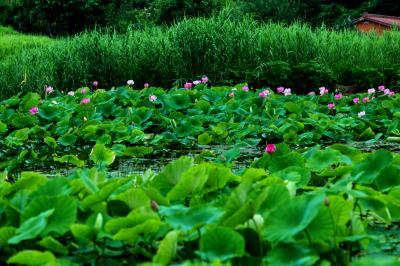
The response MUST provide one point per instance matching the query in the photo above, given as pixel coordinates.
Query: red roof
(380, 19)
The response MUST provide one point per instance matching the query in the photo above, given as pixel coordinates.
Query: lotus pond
(183, 177)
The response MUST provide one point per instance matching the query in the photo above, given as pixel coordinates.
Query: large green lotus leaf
(54, 187)
(18, 137)
(176, 101)
(31, 227)
(181, 217)
(51, 142)
(101, 155)
(380, 260)
(242, 204)
(6, 233)
(67, 139)
(83, 231)
(134, 198)
(171, 174)
(103, 193)
(388, 178)
(53, 245)
(135, 217)
(221, 243)
(296, 174)
(130, 234)
(293, 107)
(3, 127)
(28, 181)
(50, 113)
(218, 176)
(291, 255)
(254, 174)
(323, 159)
(65, 209)
(341, 210)
(184, 129)
(277, 196)
(30, 100)
(190, 183)
(278, 163)
(70, 159)
(284, 223)
(368, 170)
(20, 120)
(204, 139)
(167, 250)
(322, 228)
(33, 258)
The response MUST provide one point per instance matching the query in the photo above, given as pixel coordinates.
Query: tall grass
(225, 50)
(12, 42)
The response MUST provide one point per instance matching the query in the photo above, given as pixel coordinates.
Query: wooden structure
(377, 23)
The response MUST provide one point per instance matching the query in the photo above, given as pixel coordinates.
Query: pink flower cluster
(85, 101)
(34, 110)
(199, 81)
(286, 92)
(264, 93)
(323, 90)
(331, 106)
(270, 148)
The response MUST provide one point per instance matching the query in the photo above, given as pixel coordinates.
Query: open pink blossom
(391, 93)
(356, 100)
(381, 88)
(196, 82)
(152, 98)
(311, 93)
(83, 91)
(85, 101)
(95, 83)
(204, 79)
(386, 91)
(264, 93)
(280, 89)
(371, 91)
(287, 92)
(34, 110)
(365, 99)
(245, 88)
(338, 96)
(331, 105)
(146, 85)
(49, 89)
(188, 85)
(270, 148)
(323, 90)
(130, 82)
(361, 114)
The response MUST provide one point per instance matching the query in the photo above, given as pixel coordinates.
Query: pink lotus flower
(270, 148)
(146, 85)
(188, 85)
(280, 89)
(49, 89)
(311, 93)
(365, 99)
(245, 88)
(204, 79)
(130, 82)
(386, 91)
(323, 90)
(196, 82)
(381, 88)
(392, 93)
(331, 105)
(361, 114)
(152, 98)
(34, 110)
(264, 94)
(85, 101)
(338, 96)
(71, 93)
(356, 100)
(95, 83)
(371, 91)
(83, 91)
(231, 94)
(287, 92)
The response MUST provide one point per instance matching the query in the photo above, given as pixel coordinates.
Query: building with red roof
(377, 23)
